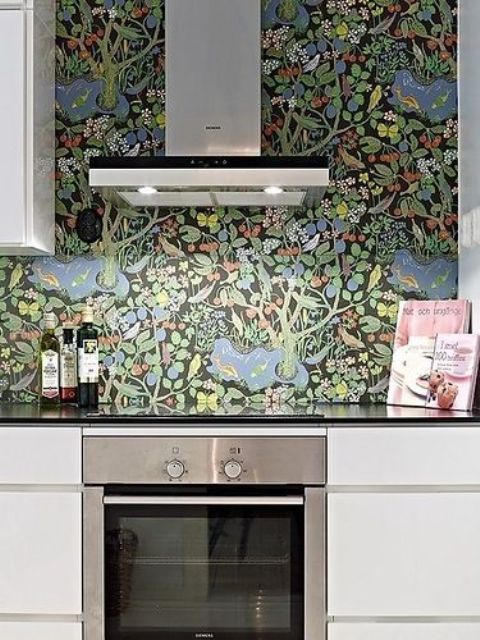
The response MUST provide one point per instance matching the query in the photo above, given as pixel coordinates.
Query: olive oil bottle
(87, 345)
(49, 364)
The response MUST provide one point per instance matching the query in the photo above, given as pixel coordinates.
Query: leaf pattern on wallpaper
(225, 305)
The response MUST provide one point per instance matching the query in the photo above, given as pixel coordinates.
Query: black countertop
(284, 415)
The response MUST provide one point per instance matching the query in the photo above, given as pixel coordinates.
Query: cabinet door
(12, 117)
(40, 553)
(41, 630)
(404, 554)
(404, 631)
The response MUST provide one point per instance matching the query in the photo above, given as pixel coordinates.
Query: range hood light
(147, 191)
(273, 191)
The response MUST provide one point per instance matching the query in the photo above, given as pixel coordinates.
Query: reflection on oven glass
(228, 572)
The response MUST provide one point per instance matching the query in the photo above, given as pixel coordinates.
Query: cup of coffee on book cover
(462, 361)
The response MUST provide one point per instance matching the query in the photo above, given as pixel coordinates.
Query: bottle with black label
(68, 367)
(87, 345)
(49, 364)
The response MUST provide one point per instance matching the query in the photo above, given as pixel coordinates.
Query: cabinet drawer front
(404, 631)
(404, 554)
(404, 456)
(40, 553)
(38, 455)
(40, 631)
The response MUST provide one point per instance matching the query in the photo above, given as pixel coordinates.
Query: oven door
(204, 567)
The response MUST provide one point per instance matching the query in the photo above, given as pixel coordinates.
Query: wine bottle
(49, 362)
(87, 344)
(68, 367)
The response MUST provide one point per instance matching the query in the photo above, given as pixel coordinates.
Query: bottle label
(68, 369)
(88, 361)
(50, 370)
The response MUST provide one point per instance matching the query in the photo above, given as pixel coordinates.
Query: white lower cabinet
(403, 554)
(40, 631)
(404, 631)
(40, 554)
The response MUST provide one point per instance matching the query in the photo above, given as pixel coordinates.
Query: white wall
(469, 95)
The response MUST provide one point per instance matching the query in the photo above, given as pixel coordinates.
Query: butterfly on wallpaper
(205, 401)
(210, 221)
(388, 131)
(389, 311)
(28, 308)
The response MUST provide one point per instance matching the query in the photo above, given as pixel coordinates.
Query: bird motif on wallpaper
(312, 64)
(16, 276)
(170, 249)
(134, 151)
(49, 279)
(346, 88)
(194, 366)
(408, 280)
(225, 369)
(375, 98)
(349, 340)
(311, 244)
(410, 102)
(375, 277)
(133, 332)
(349, 160)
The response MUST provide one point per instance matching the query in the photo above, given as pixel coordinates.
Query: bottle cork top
(87, 314)
(49, 320)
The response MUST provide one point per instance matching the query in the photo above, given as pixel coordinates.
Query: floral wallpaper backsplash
(215, 306)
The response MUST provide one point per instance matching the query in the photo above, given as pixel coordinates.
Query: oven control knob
(175, 469)
(233, 469)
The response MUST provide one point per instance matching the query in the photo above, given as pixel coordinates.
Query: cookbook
(421, 319)
(453, 377)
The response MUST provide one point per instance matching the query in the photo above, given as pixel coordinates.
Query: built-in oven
(204, 538)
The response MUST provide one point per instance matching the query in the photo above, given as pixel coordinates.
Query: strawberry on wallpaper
(228, 305)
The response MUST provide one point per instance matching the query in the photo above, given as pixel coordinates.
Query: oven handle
(204, 500)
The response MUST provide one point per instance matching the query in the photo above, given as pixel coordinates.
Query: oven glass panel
(202, 572)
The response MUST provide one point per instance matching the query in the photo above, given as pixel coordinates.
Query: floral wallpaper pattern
(219, 306)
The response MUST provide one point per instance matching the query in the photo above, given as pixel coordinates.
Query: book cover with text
(453, 378)
(423, 319)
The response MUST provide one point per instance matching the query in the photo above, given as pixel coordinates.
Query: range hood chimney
(213, 122)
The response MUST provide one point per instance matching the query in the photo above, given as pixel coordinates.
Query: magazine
(423, 319)
(453, 378)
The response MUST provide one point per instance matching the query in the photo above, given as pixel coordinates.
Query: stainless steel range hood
(213, 122)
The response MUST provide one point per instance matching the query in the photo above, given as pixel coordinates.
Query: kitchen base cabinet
(40, 630)
(40, 553)
(404, 554)
(404, 631)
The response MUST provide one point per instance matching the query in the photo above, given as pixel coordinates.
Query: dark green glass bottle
(87, 346)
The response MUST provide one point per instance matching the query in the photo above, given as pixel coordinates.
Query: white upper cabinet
(404, 456)
(403, 554)
(27, 102)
